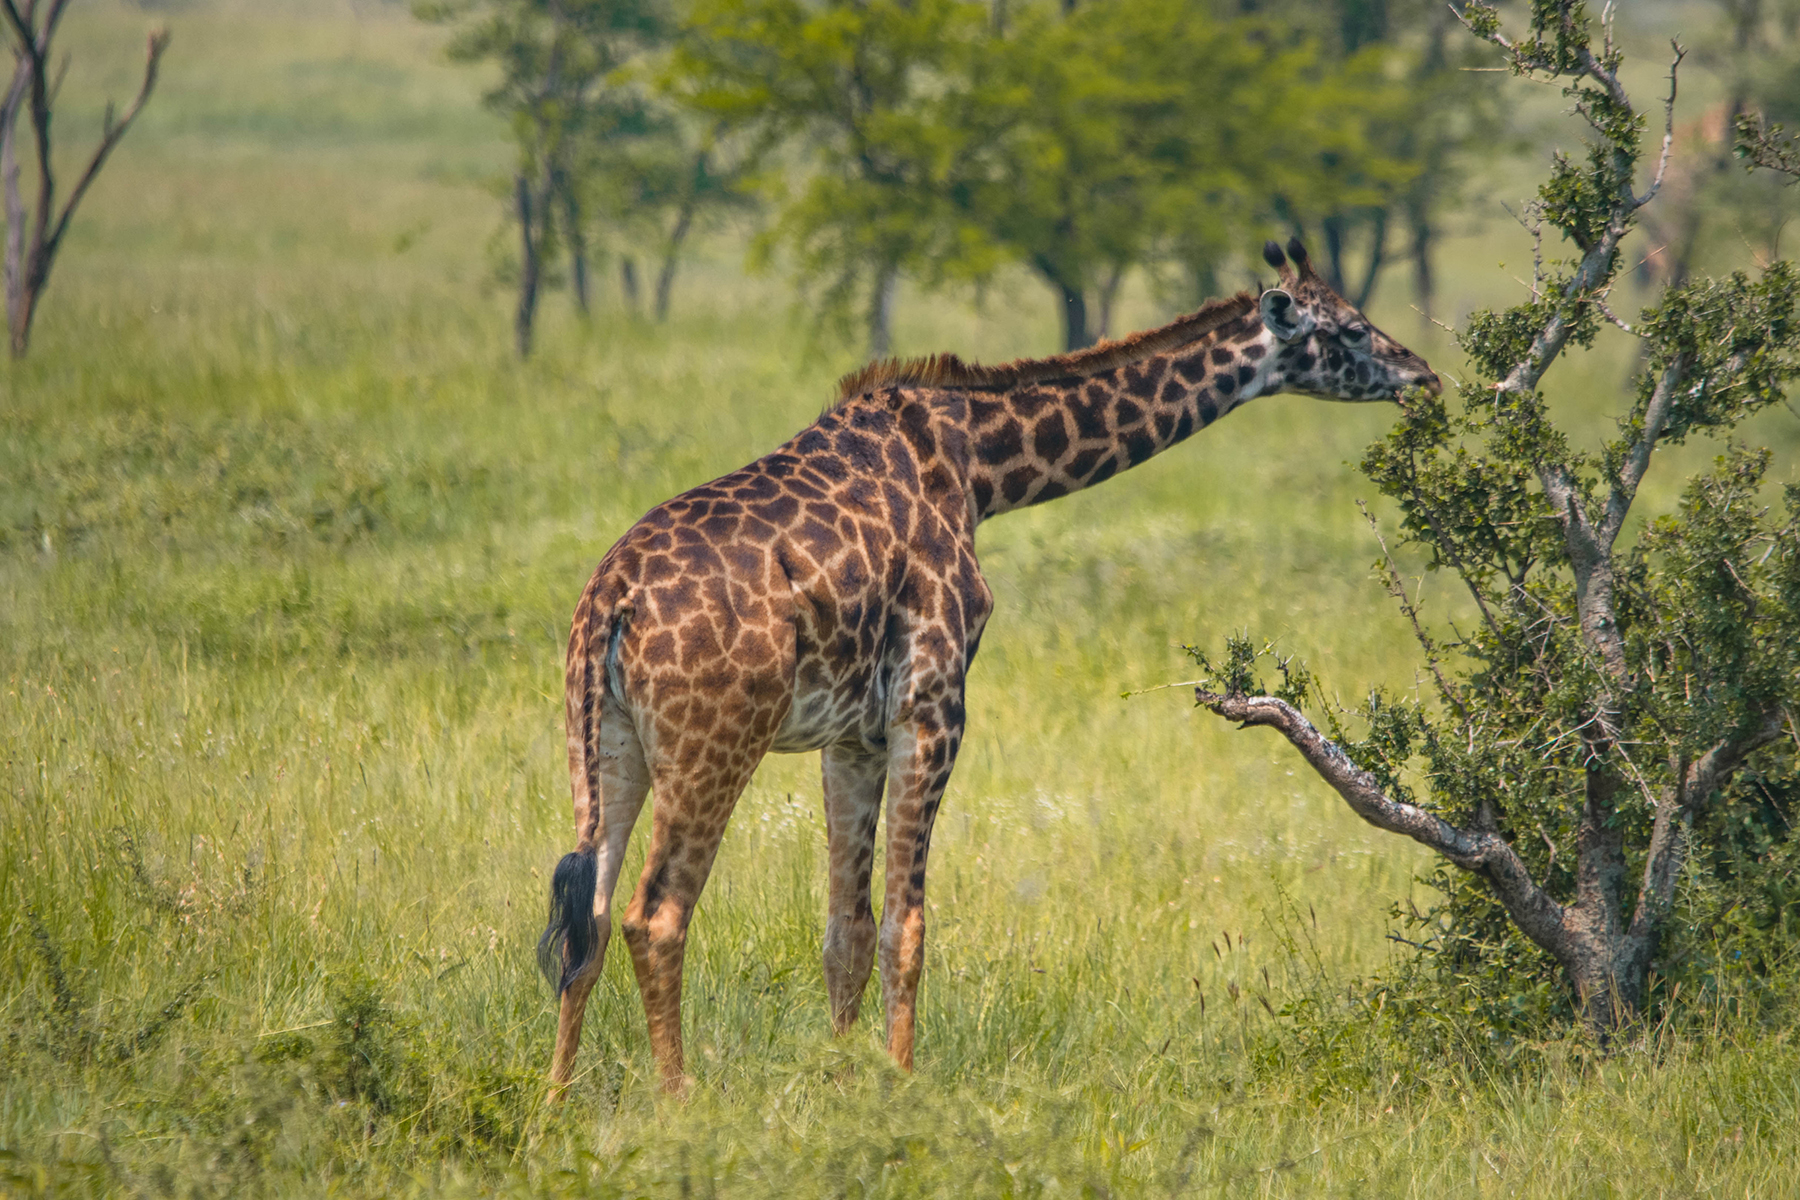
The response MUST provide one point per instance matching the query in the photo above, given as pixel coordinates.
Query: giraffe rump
(949, 371)
(570, 940)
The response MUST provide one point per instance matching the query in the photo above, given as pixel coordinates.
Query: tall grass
(288, 543)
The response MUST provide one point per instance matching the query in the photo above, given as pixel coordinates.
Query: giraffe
(827, 597)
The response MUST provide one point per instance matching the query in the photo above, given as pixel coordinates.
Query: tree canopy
(875, 96)
(596, 142)
(941, 140)
(944, 138)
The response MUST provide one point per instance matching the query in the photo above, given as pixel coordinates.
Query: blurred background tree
(1101, 149)
(1421, 100)
(943, 140)
(652, 191)
(561, 93)
(1714, 212)
(868, 97)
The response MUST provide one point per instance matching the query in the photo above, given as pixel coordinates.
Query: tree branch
(1397, 589)
(110, 135)
(1486, 854)
(1675, 814)
(1589, 549)
(1637, 460)
(1668, 139)
(22, 29)
(1717, 765)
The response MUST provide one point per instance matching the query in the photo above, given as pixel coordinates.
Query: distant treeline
(943, 139)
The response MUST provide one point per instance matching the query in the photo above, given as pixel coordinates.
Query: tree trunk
(665, 278)
(1418, 216)
(17, 317)
(1377, 254)
(1205, 281)
(881, 310)
(1334, 252)
(628, 282)
(1595, 952)
(1075, 318)
(1108, 293)
(577, 235)
(1610, 979)
(529, 245)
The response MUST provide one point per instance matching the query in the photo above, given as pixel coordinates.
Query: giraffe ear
(1284, 318)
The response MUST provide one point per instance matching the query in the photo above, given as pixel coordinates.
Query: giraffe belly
(817, 720)
(827, 712)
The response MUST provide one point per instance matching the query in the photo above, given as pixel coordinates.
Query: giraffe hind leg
(853, 779)
(688, 822)
(573, 948)
(920, 758)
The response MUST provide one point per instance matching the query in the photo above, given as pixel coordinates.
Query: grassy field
(288, 544)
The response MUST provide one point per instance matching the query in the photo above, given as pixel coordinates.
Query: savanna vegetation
(289, 536)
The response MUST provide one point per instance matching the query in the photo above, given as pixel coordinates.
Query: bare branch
(51, 20)
(1486, 854)
(157, 42)
(1605, 311)
(22, 30)
(1668, 140)
(1397, 589)
(31, 254)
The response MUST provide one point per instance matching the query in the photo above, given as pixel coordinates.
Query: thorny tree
(1615, 704)
(34, 232)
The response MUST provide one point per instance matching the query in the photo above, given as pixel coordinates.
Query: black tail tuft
(568, 944)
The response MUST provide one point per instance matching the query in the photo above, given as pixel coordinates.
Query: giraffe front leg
(921, 754)
(853, 777)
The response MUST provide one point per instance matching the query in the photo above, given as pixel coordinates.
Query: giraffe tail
(570, 940)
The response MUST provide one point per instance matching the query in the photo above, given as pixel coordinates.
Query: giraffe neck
(1042, 440)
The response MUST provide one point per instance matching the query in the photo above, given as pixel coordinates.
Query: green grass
(288, 543)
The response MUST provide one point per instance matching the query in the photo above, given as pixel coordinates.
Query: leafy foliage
(597, 144)
(942, 140)
(1610, 757)
(870, 91)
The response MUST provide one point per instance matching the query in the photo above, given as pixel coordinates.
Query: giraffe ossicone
(827, 597)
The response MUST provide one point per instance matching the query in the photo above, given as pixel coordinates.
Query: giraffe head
(1323, 346)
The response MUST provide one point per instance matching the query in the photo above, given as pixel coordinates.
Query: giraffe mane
(949, 371)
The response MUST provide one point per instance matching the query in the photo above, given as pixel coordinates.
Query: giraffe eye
(1354, 335)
